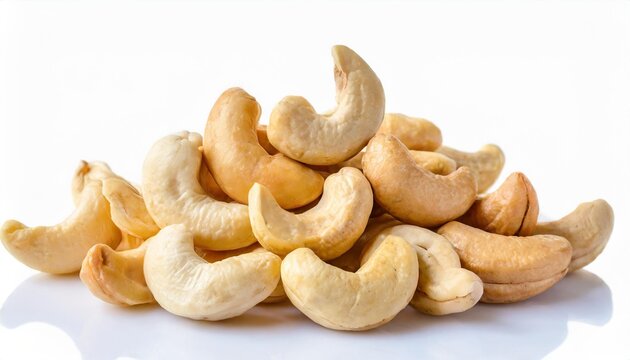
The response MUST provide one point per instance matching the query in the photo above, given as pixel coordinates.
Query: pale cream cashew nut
(186, 285)
(486, 163)
(296, 130)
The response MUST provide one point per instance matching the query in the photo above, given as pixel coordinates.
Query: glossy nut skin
(237, 160)
(342, 300)
(587, 228)
(411, 193)
(512, 268)
(298, 131)
(511, 210)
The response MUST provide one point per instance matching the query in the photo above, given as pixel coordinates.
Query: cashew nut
(434, 162)
(116, 277)
(326, 139)
(411, 193)
(329, 229)
(128, 242)
(186, 285)
(60, 248)
(237, 161)
(263, 139)
(444, 287)
(511, 210)
(128, 210)
(415, 133)
(512, 268)
(587, 228)
(343, 300)
(486, 163)
(209, 184)
(173, 195)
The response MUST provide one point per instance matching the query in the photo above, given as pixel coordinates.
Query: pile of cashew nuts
(352, 215)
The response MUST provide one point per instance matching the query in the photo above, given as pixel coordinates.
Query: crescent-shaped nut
(186, 285)
(343, 300)
(587, 228)
(411, 193)
(444, 287)
(89, 171)
(486, 163)
(237, 161)
(60, 249)
(326, 139)
(116, 277)
(415, 133)
(434, 162)
(329, 229)
(173, 195)
(512, 268)
(511, 210)
(128, 210)
(263, 139)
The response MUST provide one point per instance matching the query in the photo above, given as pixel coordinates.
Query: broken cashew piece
(343, 300)
(173, 195)
(587, 228)
(237, 160)
(444, 287)
(411, 193)
(128, 209)
(512, 268)
(116, 277)
(60, 249)
(415, 133)
(186, 285)
(486, 163)
(329, 229)
(511, 210)
(295, 129)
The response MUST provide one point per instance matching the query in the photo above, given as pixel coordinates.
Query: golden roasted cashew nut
(512, 268)
(209, 184)
(486, 163)
(296, 130)
(116, 277)
(587, 228)
(173, 195)
(329, 229)
(343, 300)
(128, 209)
(60, 248)
(511, 210)
(434, 162)
(186, 285)
(237, 160)
(444, 287)
(411, 193)
(415, 133)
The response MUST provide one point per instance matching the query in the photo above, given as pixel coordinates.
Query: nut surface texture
(486, 163)
(415, 133)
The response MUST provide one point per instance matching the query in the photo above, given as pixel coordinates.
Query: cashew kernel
(415, 133)
(486, 163)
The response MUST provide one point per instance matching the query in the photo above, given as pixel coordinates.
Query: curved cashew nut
(415, 133)
(410, 192)
(486, 163)
(329, 229)
(511, 210)
(304, 135)
(186, 285)
(342, 300)
(60, 248)
(128, 209)
(116, 277)
(237, 160)
(512, 268)
(128, 242)
(434, 162)
(263, 139)
(173, 195)
(209, 184)
(587, 228)
(444, 287)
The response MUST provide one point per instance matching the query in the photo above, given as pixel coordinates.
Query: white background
(548, 81)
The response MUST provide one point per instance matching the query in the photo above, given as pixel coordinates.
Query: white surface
(548, 81)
